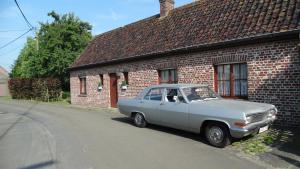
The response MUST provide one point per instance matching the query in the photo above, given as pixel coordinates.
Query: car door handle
(162, 103)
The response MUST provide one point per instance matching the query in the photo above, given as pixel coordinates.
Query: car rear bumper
(249, 129)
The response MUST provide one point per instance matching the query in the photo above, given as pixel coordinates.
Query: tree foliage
(21, 67)
(56, 46)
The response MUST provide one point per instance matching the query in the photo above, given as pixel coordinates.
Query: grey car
(197, 108)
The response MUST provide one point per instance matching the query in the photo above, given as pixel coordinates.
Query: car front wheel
(217, 135)
(139, 120)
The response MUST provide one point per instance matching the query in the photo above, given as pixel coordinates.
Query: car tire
(217, 135)
(139, 120)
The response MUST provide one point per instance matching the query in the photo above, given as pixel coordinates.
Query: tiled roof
(202, 22)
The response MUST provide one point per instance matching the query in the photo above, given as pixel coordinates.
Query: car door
(174, 109)
(150, 104)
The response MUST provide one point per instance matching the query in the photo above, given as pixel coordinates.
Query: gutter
(270, 37)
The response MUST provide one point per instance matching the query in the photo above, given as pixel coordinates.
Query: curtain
(240, 80)
(224, 80)
(220, 80)
(227, 80)
(164, 75)
(244, 83)
(173, 76)
(237, 84)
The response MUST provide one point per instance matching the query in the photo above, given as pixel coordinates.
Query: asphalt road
(35, 135)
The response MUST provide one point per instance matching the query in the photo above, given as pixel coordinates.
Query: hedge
(42, 89)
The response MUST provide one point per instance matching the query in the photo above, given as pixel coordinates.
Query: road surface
(35, 135)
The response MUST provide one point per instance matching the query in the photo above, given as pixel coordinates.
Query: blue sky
(103, 15)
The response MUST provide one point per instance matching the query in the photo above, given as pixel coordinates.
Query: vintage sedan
(197, 108)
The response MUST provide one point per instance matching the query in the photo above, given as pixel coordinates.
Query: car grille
(259, 117)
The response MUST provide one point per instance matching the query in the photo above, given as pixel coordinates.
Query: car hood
(246, 107)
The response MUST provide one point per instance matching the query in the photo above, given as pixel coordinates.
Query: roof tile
(202, 22)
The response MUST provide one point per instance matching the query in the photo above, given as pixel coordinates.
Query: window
(126, 78)
(101, 83)
(168, 76)
(240, 80)
(82, 85)
(231, 80)
(224, 80)
(154, 94)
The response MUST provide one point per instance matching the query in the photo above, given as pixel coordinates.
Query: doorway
(113, 89)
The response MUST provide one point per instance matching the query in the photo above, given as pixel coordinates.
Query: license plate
(263, 129)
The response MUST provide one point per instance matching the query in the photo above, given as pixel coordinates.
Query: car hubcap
(216, 135)
(138, 119)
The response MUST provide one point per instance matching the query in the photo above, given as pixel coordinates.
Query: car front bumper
(250, 129)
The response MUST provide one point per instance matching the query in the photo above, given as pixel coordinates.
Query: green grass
(262, 142)
(60, 102)
(65, 99)
(6, 97)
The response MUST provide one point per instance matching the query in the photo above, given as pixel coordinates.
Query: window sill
(82, 95)
(235, 97)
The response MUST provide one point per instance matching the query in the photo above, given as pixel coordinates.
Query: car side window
(174, 95)
(154, 94)
(171, 95)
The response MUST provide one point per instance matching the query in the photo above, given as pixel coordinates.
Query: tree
(56, 47)
(22, 68)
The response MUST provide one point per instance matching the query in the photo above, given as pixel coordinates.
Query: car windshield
(200, 93)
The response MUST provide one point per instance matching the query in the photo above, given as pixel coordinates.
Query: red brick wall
(273, 75)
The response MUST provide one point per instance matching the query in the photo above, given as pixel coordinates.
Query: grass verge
(263, 142)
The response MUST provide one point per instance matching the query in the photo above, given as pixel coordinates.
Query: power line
(28, 24)
(10, 51)
(15, 39)
(26, 20)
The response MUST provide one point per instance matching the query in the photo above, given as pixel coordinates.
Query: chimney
(165, 7)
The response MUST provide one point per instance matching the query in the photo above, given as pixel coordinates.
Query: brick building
(241, 49)
(3, 82)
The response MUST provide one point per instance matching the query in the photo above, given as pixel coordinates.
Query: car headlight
(272, 112)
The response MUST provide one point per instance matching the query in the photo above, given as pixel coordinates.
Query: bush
(66, 95)
(42, 89)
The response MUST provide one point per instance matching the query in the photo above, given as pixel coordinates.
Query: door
(113, 90)
(150, 104)
(174, 110)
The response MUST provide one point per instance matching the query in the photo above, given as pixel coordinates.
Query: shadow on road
(40, 165)
(291, 161)
(181, 133)
(288, 148)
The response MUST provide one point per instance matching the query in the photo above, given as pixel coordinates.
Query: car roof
(177, 85)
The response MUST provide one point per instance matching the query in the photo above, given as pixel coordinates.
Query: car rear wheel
(139, 120)
(217, 135)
